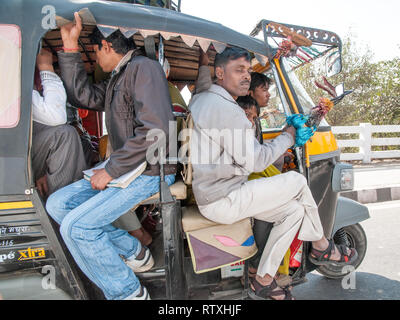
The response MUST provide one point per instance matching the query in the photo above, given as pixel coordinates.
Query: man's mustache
(246, 82)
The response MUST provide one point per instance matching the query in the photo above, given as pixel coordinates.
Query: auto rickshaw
(35, 263)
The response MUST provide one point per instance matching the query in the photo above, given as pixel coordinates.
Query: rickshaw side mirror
(340, 93)
(339, 90)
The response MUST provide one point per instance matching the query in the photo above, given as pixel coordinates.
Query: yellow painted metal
(285, 84)
(16, 205)
(322, 142)
(270, 136)
(293, 103)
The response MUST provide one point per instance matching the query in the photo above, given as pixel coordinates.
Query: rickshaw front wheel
(354, 237)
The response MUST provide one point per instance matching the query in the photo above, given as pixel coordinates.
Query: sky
(372, 23)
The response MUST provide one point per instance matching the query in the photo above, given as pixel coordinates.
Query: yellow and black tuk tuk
(33, 257)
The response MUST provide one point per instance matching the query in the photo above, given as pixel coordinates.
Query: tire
(353, 236)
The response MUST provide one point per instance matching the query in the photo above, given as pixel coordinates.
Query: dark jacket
(135, 100)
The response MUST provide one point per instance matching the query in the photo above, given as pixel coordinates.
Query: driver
(220, 181)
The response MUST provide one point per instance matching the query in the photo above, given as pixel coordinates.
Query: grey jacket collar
(125, 60)
(217, 89)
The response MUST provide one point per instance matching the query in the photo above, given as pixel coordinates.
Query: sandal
(322, 258)
(259, 292)
(251, 275)
(284, 281)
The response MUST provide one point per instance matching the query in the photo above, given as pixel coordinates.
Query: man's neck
(122, 59)
(219, 83)
(117, 61)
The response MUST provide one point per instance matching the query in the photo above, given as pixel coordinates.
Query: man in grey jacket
(136, 101)
(224, 151)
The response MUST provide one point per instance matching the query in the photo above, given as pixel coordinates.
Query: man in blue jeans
(136, 101)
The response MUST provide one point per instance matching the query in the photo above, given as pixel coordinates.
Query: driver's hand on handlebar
(70, 33)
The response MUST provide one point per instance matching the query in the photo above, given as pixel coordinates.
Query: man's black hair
(119, 42)
(230, 53)
(248, 102)
(258, 80)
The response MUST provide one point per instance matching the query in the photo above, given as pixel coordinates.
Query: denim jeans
(86, 218)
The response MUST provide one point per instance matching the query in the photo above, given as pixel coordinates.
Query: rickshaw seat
(193, 220)
(104, 148)
(212, 245)
(178, 191)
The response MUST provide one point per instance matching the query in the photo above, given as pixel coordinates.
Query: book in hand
(121, 182)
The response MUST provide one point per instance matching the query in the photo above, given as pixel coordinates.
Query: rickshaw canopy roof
(183, 35)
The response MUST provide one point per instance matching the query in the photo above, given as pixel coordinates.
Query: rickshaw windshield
(273, 116)
(304, 98)
(296, 46)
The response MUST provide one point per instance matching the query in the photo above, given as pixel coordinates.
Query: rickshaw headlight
(346, 179)
(343, 177)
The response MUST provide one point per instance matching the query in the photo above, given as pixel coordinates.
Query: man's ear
(219, 73)
(251, 93)
(106, 45)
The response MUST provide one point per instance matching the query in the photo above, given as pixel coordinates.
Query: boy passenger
(135, 100)
(220, 181)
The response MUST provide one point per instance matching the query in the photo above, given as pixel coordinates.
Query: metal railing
(367, 142)
(174, 5)
(169, 4)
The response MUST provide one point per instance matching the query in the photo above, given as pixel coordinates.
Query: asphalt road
(378, 277)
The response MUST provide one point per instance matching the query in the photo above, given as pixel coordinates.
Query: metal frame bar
(315, 35)
(85, 51)
(76, 287)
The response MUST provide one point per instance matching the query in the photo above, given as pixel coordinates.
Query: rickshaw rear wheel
(352, 236)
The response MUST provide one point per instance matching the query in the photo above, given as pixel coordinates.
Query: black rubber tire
(356, 238)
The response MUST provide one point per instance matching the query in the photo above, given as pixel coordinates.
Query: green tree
(385, 101)
(376, 85)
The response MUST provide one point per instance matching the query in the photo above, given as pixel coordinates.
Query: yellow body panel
(270, 136)
(16, 205)
(321, 142)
